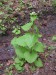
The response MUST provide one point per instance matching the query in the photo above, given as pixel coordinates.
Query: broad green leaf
(38, 63)
(18, 67)
(30, 39)
(13, 42)
(27, 26)
(17, 61)
(21, 41)
(30, 57)
(27, 40)
(39, 47)
(20, 51)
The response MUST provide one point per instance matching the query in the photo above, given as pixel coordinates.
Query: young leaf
(32, 13)
(30, 39)
(21, 41)
(14, 30)
(17, 61)
(27, 40)
(13, 42)
(18, 67)
(20, 51)
(17, 32)
(39, 47)
(33, 16)
(38, 63)
(27, 26)
(30, 57)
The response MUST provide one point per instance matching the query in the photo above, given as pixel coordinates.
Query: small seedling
(16, 31)
(2, 29)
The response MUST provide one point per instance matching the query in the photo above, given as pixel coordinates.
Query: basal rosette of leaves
(27, 46)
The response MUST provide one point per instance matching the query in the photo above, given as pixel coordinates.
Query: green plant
(16, 30)
(54, 38)
(27, 46)
(51, 48)
(2, 29)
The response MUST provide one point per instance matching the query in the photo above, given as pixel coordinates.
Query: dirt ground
(47, 27)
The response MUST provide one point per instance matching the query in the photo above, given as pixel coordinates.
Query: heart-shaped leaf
(13, 42)
(17, 32)
(18, 67)
(21, 41)
(25, 40)
(20, 51)
(39, 47)
(38, 63)
(30, 57)
(30, 39)
(17, 61)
